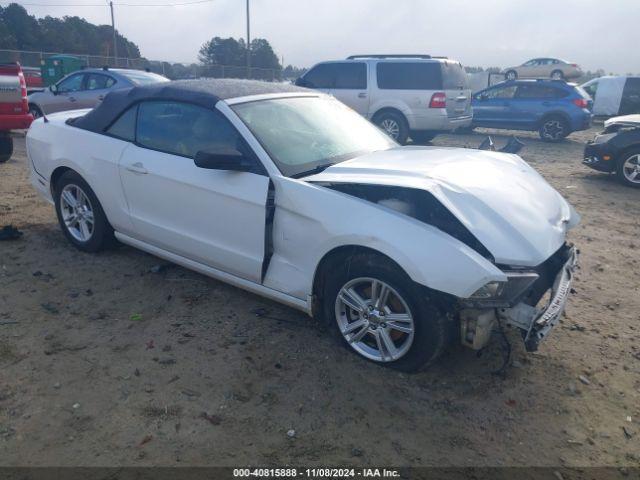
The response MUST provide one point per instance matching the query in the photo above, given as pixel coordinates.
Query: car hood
(504, 202)
(631, 120)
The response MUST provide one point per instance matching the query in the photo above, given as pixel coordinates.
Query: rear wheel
(557, 75)
(629, 168)
(393, 124)
(423, 136)
(511, 75)
(6, 146)
(381, 314)
(80, 214)
(553, 129)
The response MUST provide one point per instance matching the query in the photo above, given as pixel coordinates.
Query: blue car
(552, 107)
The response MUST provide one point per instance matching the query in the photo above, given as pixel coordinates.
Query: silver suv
(414, 96)
(86, 89)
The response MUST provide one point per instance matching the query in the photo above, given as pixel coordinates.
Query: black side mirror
(54, 89)
(223, 159)
(301, 82)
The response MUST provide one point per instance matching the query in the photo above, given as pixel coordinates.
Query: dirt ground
(106, 361)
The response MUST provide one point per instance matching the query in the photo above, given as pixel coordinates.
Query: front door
(493, 107)
(214, 217)
(66, 95)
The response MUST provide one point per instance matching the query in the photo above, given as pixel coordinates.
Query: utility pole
(115, 45)
(248, 44)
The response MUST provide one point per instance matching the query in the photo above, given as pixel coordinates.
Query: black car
(617, 149)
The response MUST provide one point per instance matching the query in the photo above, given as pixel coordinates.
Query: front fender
(311, 221)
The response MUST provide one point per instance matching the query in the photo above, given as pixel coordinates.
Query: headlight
(503, 293)
(490, 290)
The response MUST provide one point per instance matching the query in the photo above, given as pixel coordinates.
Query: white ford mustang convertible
(291, 195)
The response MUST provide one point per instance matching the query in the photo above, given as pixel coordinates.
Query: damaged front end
(531, 300)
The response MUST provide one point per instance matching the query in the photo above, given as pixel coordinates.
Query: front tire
(511, 75)
(80, 214)
(628, 171)
(6, 147)
(393, 124)
(553, 129)
(35, 111)
(380, 313)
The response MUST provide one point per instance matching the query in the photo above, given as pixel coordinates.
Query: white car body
(513, 212)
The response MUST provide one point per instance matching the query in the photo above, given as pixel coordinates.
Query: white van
(414, 96)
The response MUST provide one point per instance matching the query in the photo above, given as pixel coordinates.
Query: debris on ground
(9, 232)
(584, 380)
(212, 419)
(291, 433)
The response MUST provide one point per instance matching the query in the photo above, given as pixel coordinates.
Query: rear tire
(557, 75)
(393, 124)
(628, 170)
(6, 147)
(511, 75)
(80, 214)
(419, 330)
(423, 136)
(553, 129)
(35, 111)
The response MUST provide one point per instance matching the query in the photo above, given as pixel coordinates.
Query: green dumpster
(55, 67)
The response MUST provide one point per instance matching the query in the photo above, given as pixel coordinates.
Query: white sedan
(291, 195)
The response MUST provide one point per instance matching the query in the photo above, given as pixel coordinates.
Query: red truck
(14, 108)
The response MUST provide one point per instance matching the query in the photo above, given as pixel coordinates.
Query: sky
(593, 33)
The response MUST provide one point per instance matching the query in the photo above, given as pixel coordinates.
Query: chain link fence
(172, 70)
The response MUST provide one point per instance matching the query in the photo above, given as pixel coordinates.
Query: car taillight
(438, 100)
(23, 92)
(581, 102)
(574, 65)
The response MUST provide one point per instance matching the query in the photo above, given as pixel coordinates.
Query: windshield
(303, 134)
(143, 78)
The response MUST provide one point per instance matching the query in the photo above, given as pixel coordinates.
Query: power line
(115, 4)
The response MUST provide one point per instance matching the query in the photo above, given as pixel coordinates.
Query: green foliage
(229, 51)
(21, 31)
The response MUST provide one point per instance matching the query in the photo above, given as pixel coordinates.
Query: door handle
(362, 95)
(137, 168)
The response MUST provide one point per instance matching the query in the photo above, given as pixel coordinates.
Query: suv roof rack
(394, 55)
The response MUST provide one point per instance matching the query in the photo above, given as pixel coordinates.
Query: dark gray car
(86, 89)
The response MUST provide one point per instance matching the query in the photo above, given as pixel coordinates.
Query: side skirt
(218, 274)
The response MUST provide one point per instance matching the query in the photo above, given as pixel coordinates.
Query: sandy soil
(103, 361)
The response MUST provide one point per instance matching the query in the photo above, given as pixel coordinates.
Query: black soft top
(205, 93)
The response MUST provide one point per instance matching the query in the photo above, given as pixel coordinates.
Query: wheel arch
(335, 257)
(389, 109)
(57, 173)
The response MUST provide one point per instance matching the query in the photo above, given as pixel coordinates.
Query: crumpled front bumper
(535, 322)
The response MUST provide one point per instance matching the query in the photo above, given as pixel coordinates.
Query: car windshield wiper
(316, 169)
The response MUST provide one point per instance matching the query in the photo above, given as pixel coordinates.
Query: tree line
(21, 31)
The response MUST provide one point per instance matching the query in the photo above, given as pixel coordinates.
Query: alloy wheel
(631, 168)
(374, 319)
(77, 212)
(390, 127)
(553, 129)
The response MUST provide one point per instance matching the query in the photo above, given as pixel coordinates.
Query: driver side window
(184, 129)
(71, 84)
(500, 93)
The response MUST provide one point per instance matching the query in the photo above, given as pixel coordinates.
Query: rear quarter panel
(95, 157)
